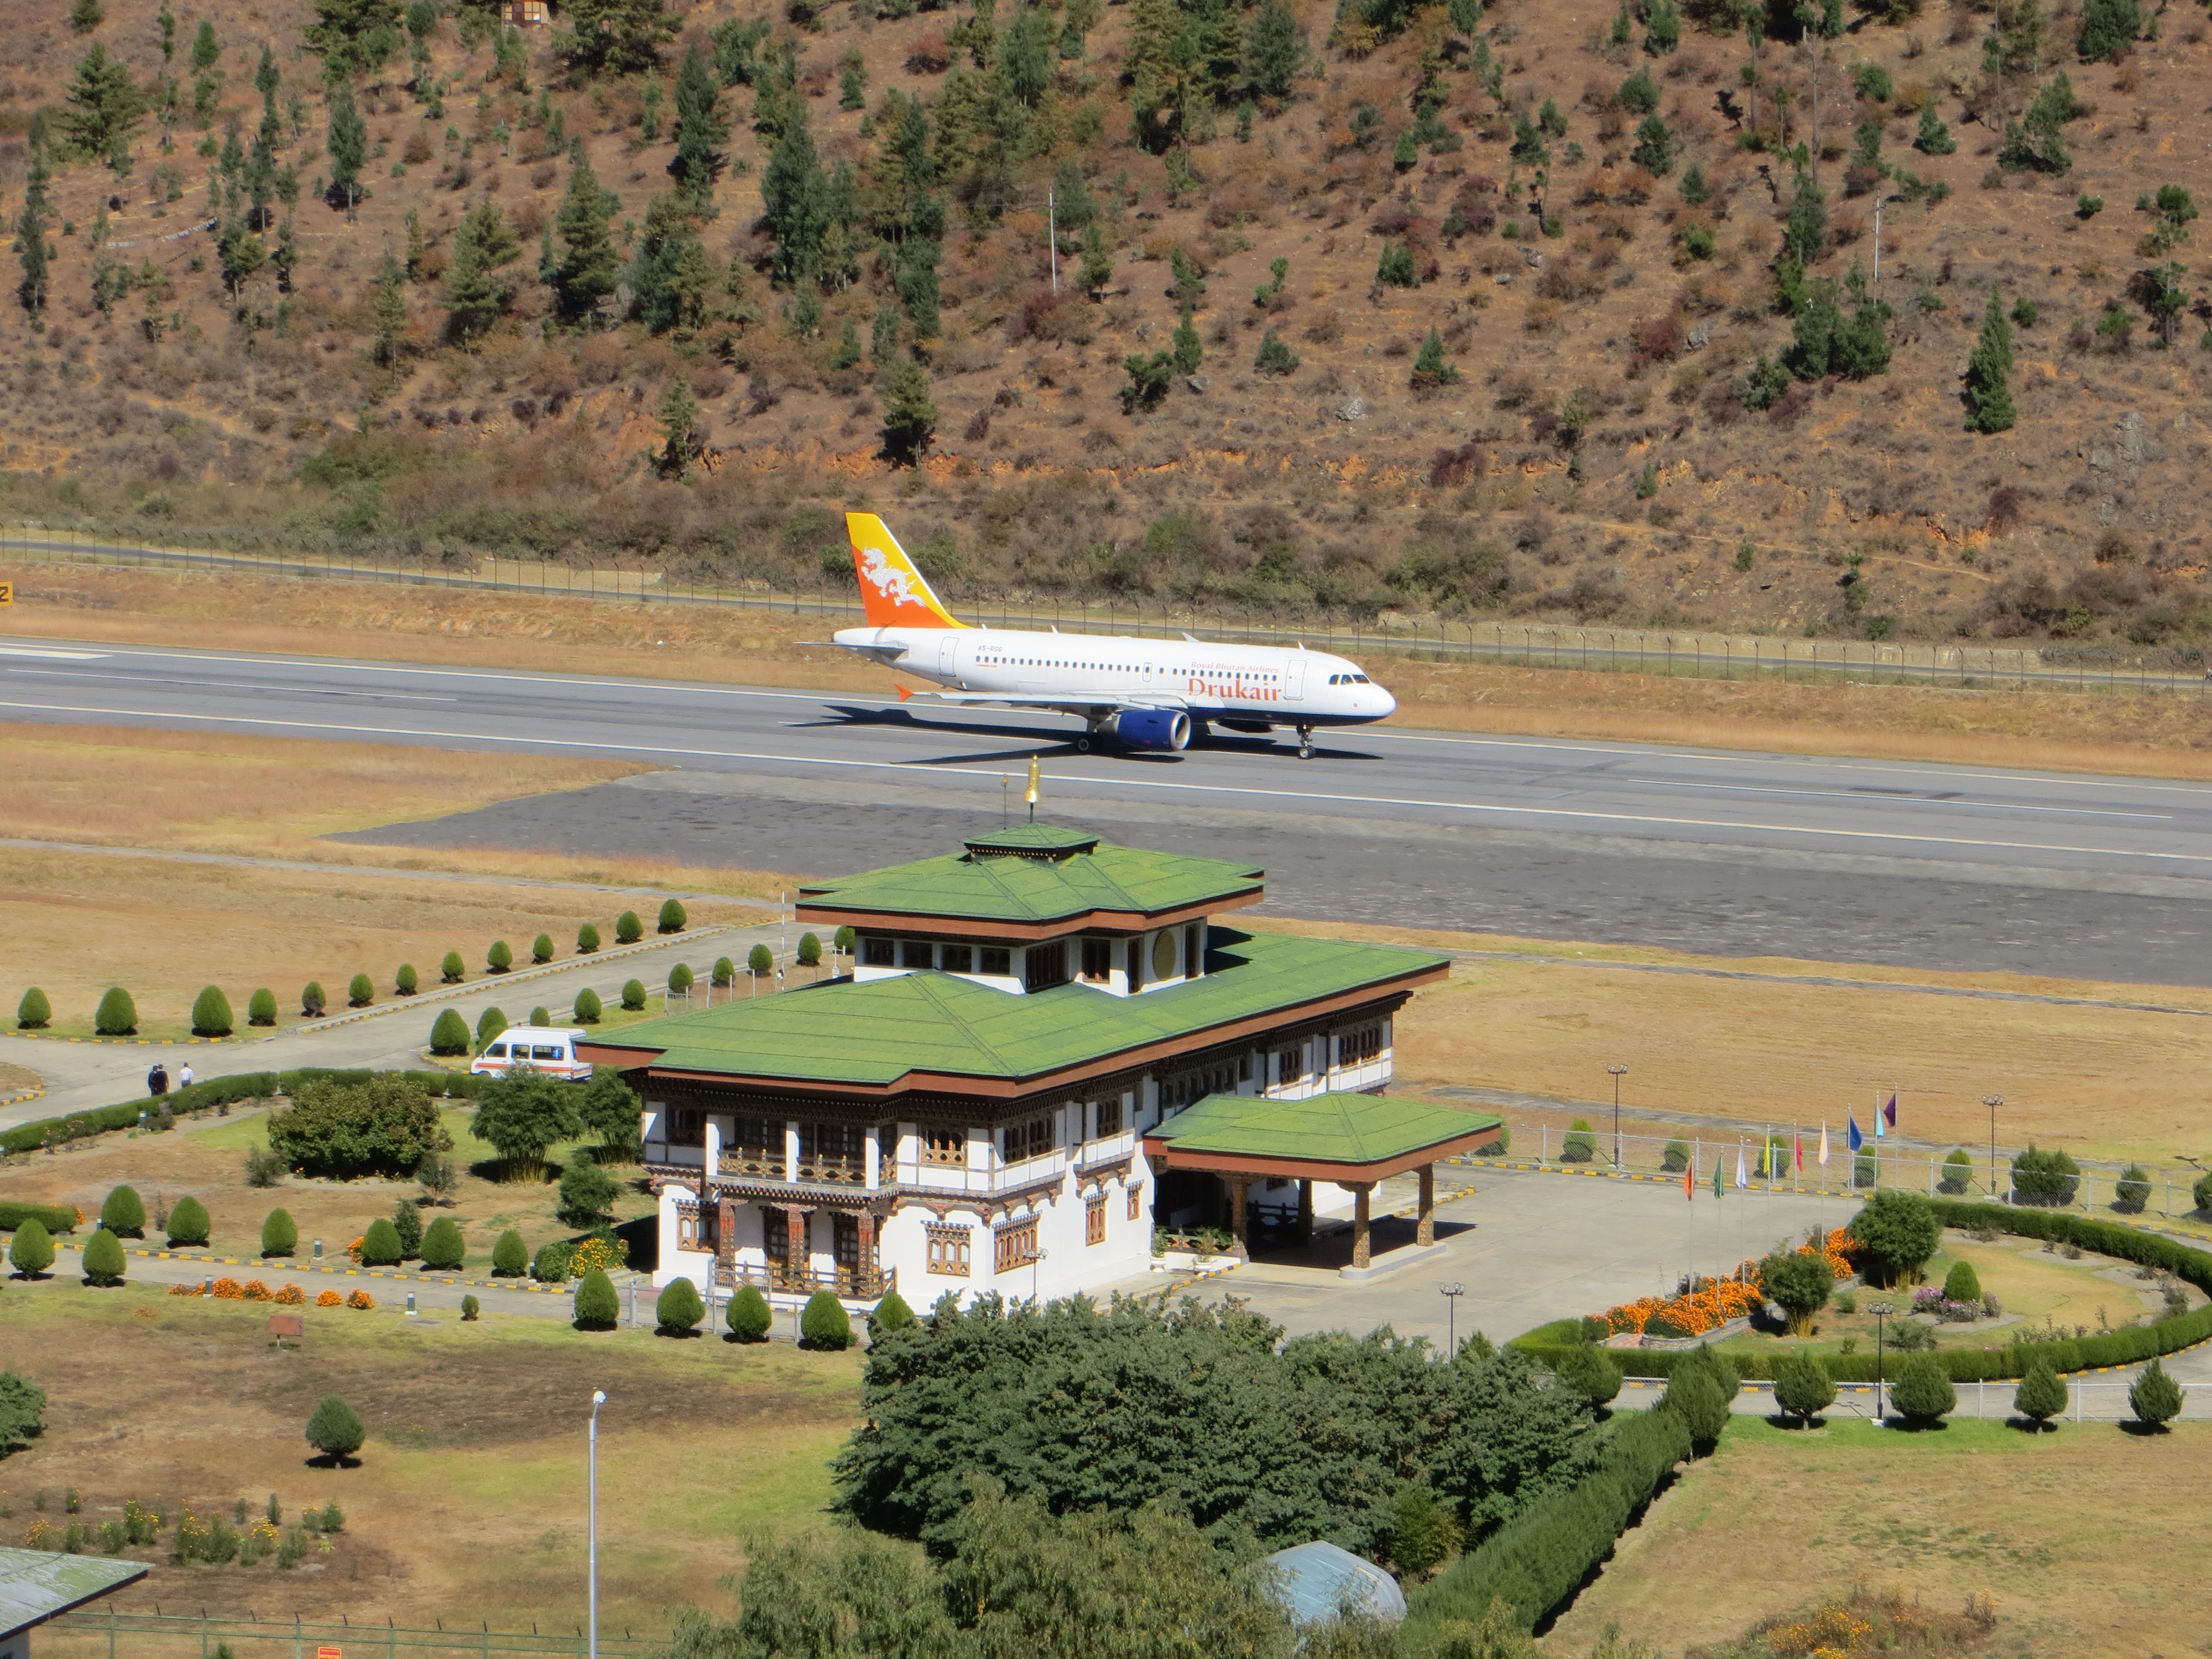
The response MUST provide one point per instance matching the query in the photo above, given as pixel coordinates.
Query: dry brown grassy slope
(1038, 479)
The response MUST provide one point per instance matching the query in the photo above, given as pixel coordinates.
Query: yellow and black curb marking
(28, 1094)
(288, 1268)
(130, 1042)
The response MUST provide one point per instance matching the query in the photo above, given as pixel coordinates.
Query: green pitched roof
(1331, 1129)
(37, 1584)
(1036, 873)
(872, 1033)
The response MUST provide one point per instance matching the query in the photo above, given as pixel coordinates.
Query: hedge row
(54, 1218)
(216, 1091)
(1549, 1343)
(1537, 1561)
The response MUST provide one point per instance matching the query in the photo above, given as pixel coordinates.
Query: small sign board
(7, 592)
(329, 1653)
(289, 1324)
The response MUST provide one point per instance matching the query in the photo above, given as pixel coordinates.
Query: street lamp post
(1618, 1071)
(598, 1399)
(1451, 1294)
(1993, 1101)
(1881, 1311)
(1035, 1270)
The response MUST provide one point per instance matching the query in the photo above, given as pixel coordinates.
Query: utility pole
(598, 1399)
(1052, 235)
(1877, 242)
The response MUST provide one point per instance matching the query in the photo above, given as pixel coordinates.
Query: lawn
(2059, 1528)
(468, 1502)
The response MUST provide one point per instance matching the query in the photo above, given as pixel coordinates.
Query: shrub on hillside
(124, 1214)
(541, 948)
(188, 1223)
(264, 1168)
(383, 1124)
(499, 958)
(1922, 1392)
(452, 970)
(749, 1315)
(449, 1033)
(1962, 1283)
(103, 1258)
(587, 1010)
(118, 1015)
(406, 981)
(2131, 1192)
(335, 1430)
(33, 1012)
(380, 1246)
(1699, 1393)
(279, 1237)
(597, 1309)
(587, 939)
(824, 1324)
(1580, 1145)
(628, 928)
(679, 1311)
(2041, 1394)
(1590, 1372)
(360, 992)
(1957, 1172)
(510, 1256)
(633, 994)
(22, 1412)
(673, 919)
(587, 1193)
(261, 1007)
(32, 1251)
(1898, 1233)
(1801, 1388)
(407, 1222)
(2049, 1179)
(443, 1248)
(312, 1001)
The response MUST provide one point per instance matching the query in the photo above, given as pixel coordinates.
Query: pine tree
(1802, 1387)
(388, 313)
(1431, 368)
(168, 21)
(1805, 231)
(31, 236)
(104, 108)
(590, 267)
(2154, 1397)
(671, 278)
(795, 200)
(2041, 1395)
(207, 51)
(475, 292)
(681, 438)
(1934, 139)
(622, 37)
(347, 140)
(909, 412)
(1989, 396)
(1274, 50)
(336, 1430)
(701, 130)
(1184, 346)
(354, 37)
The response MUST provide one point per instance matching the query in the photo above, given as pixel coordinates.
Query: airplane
(1139, 694)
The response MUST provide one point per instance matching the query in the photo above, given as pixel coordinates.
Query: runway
(1729, 853)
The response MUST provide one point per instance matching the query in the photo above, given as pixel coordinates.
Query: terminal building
(1048, 1045)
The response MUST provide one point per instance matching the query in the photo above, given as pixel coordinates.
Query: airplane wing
(1084, 707)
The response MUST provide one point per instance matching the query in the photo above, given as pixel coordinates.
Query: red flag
(1800, 1154)
(1690, 1181)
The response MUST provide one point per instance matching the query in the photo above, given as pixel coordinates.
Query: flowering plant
(361, 1299)
(229, 1290)
(290, 1296)
(330, 1299)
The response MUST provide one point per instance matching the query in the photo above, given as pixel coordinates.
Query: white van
(547, 1048)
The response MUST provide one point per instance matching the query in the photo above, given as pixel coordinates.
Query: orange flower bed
(229, 1290)
(256, 1291)
(290, 1296)
(1836, 1245)
(330, 1299)
(361, 1299)
(1712, 1302)
(184, 1290)
(354, 1248)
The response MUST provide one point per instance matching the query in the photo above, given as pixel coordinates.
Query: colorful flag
(1801, 1153)
(1690, 1181)
(1857, 1140)
(1742, 1181)
(1878, 1130)
(1824, 1143)
(1890, 1110)
(1720, 1183)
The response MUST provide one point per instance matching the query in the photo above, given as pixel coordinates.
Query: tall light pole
(591, 1531)
(1993, 1101)
(1619, 1071)
(1451, 1294)
(1881, 1311)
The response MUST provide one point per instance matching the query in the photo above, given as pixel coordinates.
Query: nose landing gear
(1305, 742)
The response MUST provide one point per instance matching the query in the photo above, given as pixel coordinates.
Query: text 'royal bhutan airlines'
(1139, 693)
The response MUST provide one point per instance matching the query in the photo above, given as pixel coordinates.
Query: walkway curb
(288, 1268)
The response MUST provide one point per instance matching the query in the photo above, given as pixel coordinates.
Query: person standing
(185, 1075)
(157, 1080)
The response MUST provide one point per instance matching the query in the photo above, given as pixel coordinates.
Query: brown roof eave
(1162, 1154)
(1123, 921)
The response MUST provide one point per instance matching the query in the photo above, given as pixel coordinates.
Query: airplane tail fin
(893, 593)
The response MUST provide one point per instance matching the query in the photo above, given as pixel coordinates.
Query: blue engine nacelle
(1152, 728)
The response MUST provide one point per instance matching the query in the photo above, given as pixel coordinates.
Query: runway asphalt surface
(1727, 852)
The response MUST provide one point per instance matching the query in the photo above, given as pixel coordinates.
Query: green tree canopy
(621, 37)
(608, 1107)
(335, 1429)
(102, 108)
(522, 1115)
(1800, 1284)
(354, 37)
(1899, 1231)
(702, 131)
(384, 1125)
(477, 290)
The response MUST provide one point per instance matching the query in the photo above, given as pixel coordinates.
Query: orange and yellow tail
(893, 594)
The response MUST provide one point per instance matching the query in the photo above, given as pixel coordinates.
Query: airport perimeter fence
(1671, 653)
(2164, 1192)
(103, 1633)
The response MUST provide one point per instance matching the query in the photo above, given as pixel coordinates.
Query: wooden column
(726, 1232)
(867, 1262)
(1425, 1233)
(797, 1266)
(1238, 1186)
(1305, 1212)
(1361, 1190)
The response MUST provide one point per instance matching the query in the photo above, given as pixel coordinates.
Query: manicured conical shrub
(499, 958)
(451, 969)
(2155, 1397)
(312, 1001)
(103, 1258)
(407, 1222)
(124, 1214)
(679, 1311)
(1801, 1388)
(587, 1009)
(443, 1248)
(261, 1007)
(824, 1323)
(211, 1013)
(597, 1307)
(360, 992)
(449, 1033)
(380, 1246)
(510, 1256)
(1962, 1284)
(541, 948)
(1699, 1393)
(628, 928)
(679, 979)
(632, 995)
(891, 1313)
(278, 1235)
(672, 918)
(587, 939)
(118, 1015)
(490, 1024)
(33, 1012)
(1580, 1145)
(760, 960)
(188, 1223)
(810, 950)
(336, 1430)
(2041, 1394)
(406, 981)
(32, 1251)
(726, 971)
(1590, 1371)
(749, 1315)
(541, 1015)
(1922, 1392)
(469, 1309)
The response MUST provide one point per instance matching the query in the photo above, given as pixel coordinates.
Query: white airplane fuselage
(1240, 686)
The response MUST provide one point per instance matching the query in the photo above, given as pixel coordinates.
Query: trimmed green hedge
(54, 1218)
(1536, 1561)
(1548, 1344)
(218, 1090)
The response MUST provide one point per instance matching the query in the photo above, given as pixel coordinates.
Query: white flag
(1742, 1179)
(1824, 1143)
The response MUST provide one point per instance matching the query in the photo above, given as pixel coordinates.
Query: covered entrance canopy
(1352, 1139)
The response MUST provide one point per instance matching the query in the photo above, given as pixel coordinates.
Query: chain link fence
(105, 1633)
(1679, 653)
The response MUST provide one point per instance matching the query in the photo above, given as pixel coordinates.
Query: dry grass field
(2155, 735)
(469, 1499)
(2056, 1527)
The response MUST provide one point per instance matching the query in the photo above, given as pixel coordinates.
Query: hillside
(1609, 431)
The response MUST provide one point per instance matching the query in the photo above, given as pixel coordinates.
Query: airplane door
(1294, 680)
(945, 649)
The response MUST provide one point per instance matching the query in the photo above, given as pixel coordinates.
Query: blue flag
(1857, 1140)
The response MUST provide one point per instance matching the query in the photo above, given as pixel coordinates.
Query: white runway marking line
(1367, 734)
(1131, 783)
(237, 685)
(1886, 799)
(49, 651)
